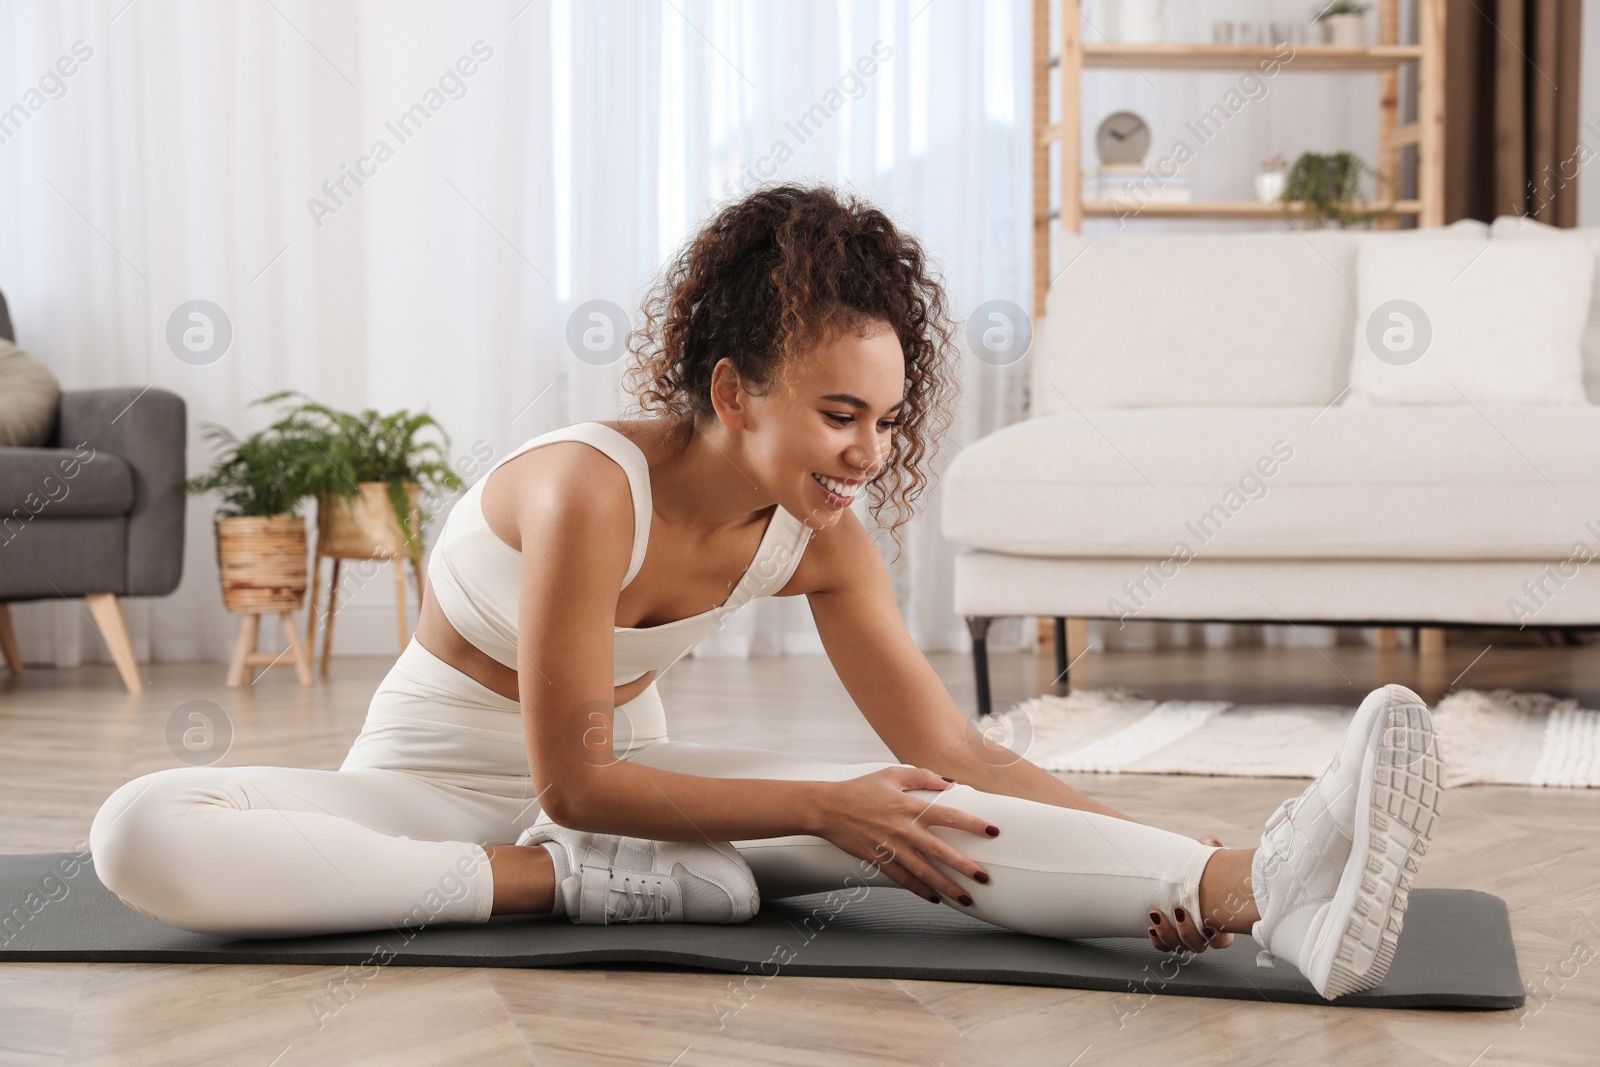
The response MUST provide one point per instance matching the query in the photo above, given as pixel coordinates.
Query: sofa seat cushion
(1420, 482)
(62, 483)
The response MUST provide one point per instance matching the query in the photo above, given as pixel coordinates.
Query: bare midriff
(435, 634)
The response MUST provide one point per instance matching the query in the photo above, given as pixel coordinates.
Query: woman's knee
(130, 833)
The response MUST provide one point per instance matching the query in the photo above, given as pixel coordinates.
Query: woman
(796, 354)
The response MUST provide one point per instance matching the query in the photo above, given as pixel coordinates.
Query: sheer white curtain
(400, 204)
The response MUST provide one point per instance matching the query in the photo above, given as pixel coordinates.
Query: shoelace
(642, 900)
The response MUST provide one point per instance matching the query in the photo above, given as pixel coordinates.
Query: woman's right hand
(875, 818)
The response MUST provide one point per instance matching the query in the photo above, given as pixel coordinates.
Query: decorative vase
(1270, 180)
(1347, 30)
(1135, 21)
(262, 561)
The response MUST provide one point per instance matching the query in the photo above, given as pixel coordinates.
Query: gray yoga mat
(1455, 950)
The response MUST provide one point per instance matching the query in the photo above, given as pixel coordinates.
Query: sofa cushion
(1484, 322)
(62, 483)
(1515, 226)
(28, 397)
(1441, 482)
(1155, 320)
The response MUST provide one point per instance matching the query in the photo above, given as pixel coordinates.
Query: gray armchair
(97, 511)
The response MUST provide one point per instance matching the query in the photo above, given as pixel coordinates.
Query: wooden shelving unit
(1072, 56)
(1322, 57)
(1226, 209)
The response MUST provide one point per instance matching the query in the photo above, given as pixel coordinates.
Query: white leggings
(395, 835)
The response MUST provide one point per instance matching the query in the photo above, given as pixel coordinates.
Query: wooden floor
(68, 738)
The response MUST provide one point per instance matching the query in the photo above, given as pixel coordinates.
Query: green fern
(1329, 185)
(262, 475)
(339, 450)
(1340, 7)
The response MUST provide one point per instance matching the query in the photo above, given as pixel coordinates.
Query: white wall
(1589, 117)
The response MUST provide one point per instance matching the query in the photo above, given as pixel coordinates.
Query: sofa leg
(978, 627)
(107, 613)
(1062, 683)
(8, 641)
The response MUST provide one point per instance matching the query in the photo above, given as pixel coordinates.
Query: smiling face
(823, 434)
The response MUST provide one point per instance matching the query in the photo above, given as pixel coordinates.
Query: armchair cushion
(62, 483)
(28, 397)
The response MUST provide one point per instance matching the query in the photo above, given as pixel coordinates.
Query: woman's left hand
(1182, 930)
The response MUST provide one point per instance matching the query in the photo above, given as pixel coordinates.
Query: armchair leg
(8, 641)
(107, 611)
(978, 627)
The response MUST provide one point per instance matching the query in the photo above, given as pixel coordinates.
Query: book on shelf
(1137, 181)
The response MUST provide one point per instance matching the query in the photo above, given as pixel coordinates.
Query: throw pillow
(1452, 321)
(1517, 227)
(28, 397)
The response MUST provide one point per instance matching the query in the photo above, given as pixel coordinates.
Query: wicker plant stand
(363, 529)
(263, 567)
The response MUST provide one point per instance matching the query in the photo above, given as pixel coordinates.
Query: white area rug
(1498, 737)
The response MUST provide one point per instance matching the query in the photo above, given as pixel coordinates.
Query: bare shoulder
(834, 557)
(559, 482)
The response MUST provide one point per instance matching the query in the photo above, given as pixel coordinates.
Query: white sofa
(1191, 454)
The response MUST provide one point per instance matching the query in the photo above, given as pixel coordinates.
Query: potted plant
(261, 540)
(1343, 23)
(366, 471)
(1329, 186)
(261, 537)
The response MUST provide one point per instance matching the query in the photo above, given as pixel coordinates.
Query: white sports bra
(477, 577)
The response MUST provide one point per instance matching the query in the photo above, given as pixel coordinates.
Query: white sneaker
(616, 879)
(1341, 856)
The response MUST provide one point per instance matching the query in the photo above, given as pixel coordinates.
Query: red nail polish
(947, 779)
(992, 831)
(1177, 913)
(934, 899)
(1210, 933)
(966, 900)
(982, 876)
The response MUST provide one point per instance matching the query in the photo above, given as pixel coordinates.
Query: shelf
(1225, 209)
(1306, 57)
(1058, 44)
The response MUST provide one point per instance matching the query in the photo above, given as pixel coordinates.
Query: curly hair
(771, 277)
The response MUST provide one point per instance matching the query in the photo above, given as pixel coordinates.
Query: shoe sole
(1400, 791)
